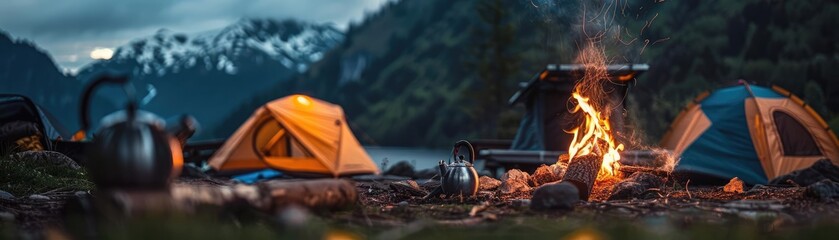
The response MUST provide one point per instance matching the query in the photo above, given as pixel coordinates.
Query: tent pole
(768, 168)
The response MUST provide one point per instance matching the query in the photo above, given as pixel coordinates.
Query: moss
(21, 177)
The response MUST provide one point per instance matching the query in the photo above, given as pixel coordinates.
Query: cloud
(76, 27)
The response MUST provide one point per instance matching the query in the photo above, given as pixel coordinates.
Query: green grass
(21, 177)
(208, 226)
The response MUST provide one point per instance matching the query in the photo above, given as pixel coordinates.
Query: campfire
(594, 135)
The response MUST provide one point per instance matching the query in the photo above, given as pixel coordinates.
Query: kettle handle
(468, 145)
(90, 89)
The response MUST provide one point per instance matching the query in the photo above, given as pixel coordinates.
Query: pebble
(402, 204)
(520, 202)
(6, 195)
(294, 215)
(7, 216)
(39, 197)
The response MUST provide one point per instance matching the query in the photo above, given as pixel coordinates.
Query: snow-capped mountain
(209, 74)
(293, 44)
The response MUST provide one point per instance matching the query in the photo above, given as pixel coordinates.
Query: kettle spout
(443, 168)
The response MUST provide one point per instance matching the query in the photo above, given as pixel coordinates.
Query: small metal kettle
(459, 177)
(131, 149)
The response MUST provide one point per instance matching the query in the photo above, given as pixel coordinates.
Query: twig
(478, 208)
(688, 190)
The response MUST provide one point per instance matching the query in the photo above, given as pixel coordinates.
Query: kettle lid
(139, 116)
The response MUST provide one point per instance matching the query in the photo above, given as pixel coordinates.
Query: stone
(39, 197)
(6, 195)
(402, 168)
(520, 202)
(515, 181)
(47, 157)
(488, 183)
(823, 190)
(427, 173)
(559, 195)
(635, 185)
(823, 169)
(546, 174)
(734, 186)
(293, 216)
(7, 217)
(408, 186)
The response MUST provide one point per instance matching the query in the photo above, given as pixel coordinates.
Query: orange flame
(594, 135)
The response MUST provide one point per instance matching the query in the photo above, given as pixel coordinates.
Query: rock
(402, 168)
(6, 195)
(823, 190)
(47, 157)
(561, 195)
(515, 181)
(7, 217)
(402, 204)
(635, 185)
(546, 174)
(734, 186)
(293, 216)
(427, 173)
(823, 169)
(488, 183)
(520, 202)
(39, 197)
(408, 186)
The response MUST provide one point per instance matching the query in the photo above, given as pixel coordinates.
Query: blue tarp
(250, 178)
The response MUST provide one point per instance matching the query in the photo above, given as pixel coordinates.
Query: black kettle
(131, 149)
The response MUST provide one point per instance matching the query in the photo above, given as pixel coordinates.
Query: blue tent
(750, 132)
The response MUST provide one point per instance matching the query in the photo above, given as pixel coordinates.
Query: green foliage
(494, 63)
(714, 43)
(22, 178)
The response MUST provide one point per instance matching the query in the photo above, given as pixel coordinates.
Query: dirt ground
(390, 209)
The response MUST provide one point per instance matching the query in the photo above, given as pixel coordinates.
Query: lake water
(420, 158)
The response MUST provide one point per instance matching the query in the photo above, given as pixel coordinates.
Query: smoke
(606, 32)
(614, 25)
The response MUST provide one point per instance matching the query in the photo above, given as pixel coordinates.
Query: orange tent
(297, 135)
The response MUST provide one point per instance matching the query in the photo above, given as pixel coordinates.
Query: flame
(594, 135)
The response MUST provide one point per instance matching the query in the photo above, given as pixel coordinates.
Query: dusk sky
(71, 30)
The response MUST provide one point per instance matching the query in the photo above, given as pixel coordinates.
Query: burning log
(575, 185)
(582, 172)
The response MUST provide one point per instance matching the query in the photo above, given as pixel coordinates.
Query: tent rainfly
(297, 135)
(750, 132)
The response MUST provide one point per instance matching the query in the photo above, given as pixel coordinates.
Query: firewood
(582, 172)
(324, 194)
